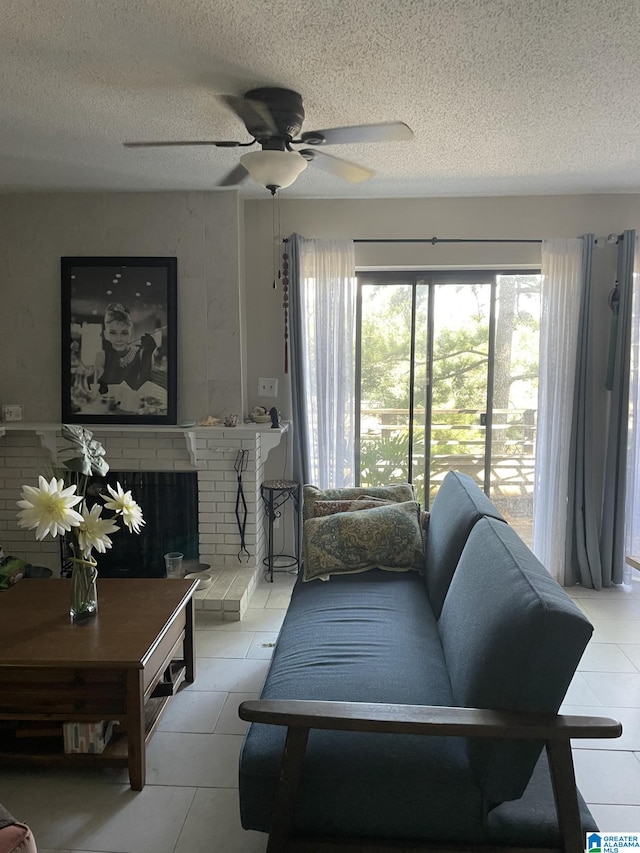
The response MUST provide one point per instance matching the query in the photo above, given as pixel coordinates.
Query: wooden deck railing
(457, 442)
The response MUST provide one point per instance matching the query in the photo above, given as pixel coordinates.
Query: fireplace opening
(169, 503)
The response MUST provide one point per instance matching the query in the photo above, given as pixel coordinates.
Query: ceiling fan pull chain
(275, 237)
(285, 303)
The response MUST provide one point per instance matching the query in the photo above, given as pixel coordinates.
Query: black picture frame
(130, 379)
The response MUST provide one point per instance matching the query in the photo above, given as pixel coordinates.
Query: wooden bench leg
(284, 803)
(566, 795)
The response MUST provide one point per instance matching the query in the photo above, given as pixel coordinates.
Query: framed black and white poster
(119, 340)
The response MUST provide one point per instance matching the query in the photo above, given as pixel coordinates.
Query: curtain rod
(434, 240)
(611, 238)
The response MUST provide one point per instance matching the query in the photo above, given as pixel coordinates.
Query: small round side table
(275, 494)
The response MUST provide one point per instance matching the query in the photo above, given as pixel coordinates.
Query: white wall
(230, 320)
(202, 229)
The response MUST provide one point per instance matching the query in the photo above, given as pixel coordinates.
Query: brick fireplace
(27, 450)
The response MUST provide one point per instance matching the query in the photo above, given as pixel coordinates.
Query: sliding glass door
(446, 375)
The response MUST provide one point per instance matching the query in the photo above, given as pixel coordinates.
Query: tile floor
(189, 804)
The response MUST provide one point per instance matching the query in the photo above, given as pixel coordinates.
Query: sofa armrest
(300, 716)
(433, 720)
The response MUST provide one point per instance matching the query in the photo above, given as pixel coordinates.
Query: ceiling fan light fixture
(274, 169)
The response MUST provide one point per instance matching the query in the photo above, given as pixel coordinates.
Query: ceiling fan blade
(218, 144)
(391, 131)
(351, 172)
(234, 177)
(254, 114)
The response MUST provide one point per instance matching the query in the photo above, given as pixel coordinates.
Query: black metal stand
(275, 494)
(240, 466)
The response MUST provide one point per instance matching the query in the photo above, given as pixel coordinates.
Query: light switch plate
(12, 412)
(267, 387)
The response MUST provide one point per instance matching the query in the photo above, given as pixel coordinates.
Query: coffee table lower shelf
(26, 742)
(41, 743)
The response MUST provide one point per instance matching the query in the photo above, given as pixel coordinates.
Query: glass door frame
(432, 278)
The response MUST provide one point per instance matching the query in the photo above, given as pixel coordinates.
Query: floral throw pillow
(396, 493)
(321, 508)
(385, 537)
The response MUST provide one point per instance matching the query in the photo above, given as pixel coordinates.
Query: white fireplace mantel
(270, 437)
(212, 453)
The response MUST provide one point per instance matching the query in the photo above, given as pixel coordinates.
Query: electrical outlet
(12, 412)
(267, 387)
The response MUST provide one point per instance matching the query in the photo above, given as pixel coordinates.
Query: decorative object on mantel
(49, 509)
(260, 415)
(210, 421)
(231, 420)
(119, 347)
(274, 414)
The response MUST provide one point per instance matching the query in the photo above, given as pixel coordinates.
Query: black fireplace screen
(169, 503)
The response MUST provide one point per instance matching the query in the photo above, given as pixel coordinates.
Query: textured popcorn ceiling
(505, 97)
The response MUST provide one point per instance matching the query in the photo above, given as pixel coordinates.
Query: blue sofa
(419, 710)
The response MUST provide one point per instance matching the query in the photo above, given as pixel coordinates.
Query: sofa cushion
(395, 493)
(512, 639)
(388, 537)
(533, 816)
(457, 506)
(367, 637)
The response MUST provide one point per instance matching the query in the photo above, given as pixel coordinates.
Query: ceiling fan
(273, 117)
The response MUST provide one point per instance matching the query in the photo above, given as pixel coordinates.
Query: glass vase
(67, 554)
(84, 593)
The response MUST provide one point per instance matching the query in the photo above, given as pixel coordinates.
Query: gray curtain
(301, 467)
(613, 505)
(582, 558)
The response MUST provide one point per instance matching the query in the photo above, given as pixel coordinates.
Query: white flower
(49, 508)
(124, 505)
(93, 531)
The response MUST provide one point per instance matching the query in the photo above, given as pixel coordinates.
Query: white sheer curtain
(561, 282)
(327, 295)
(632, 503)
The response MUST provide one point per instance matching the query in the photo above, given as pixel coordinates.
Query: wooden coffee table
(123, 665)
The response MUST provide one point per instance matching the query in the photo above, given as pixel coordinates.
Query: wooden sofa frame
(299, 716)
